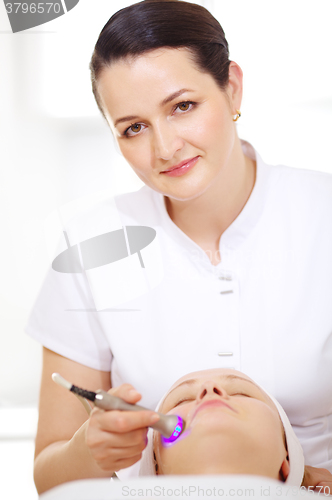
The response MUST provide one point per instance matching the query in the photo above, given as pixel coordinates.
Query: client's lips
(181, 168)
(212, 403)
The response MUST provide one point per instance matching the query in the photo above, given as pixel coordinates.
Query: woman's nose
(211, 389)
(166, 142)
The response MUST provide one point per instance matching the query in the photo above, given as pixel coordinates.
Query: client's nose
(211, 389)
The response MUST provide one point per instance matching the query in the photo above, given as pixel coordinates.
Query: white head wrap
(295, 452)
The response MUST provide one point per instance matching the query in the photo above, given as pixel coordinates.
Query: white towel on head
(295, 452)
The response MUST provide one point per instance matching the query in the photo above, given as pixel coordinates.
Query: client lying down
(232, 427)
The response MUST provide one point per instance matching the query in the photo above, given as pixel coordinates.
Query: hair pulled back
(153, 24)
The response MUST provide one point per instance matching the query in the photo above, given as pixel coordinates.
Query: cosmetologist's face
(165, 113)
(232, 426)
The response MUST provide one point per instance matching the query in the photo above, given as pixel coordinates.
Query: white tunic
(265, 310)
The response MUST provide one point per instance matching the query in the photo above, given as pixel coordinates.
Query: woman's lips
(181, 168)
(210, 403)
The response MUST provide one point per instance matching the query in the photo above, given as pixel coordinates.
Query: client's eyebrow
(193, 381)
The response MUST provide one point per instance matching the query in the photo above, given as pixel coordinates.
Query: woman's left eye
(185, 106)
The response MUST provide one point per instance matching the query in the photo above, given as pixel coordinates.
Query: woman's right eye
(186, 400)
(133, 130)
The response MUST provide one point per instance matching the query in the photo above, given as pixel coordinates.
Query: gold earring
(238, 114)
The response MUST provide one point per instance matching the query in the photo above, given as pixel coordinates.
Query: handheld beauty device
(169, 426)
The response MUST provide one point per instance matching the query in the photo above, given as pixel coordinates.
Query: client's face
(232, 426)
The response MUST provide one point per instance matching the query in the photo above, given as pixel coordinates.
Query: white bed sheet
(191, 487)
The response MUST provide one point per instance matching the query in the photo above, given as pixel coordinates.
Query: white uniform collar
(241, 227)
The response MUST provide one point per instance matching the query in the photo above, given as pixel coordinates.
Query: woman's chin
(182, 189)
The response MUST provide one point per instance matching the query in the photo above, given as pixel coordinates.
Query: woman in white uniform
(242, 255)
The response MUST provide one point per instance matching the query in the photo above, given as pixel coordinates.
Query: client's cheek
(181, 432)
(182, 411)
(170, 459)
(178, 410)
(164, 456)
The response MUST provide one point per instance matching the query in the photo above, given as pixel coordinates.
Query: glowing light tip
(175, 434)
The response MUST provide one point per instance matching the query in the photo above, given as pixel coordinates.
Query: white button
(225, 354)
(227, 291)
(226, 277)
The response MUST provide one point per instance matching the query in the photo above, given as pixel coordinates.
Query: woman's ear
(284, 470)
(234, 88)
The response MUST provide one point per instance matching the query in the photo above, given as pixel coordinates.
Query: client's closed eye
(185, 400)
(241, 394)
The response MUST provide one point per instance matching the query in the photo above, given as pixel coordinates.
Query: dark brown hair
(153, 24)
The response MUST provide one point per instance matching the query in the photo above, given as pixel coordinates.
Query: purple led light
(175, 434)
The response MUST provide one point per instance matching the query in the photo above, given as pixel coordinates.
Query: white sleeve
(64, 319)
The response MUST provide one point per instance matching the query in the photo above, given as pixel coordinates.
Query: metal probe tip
(176, 433)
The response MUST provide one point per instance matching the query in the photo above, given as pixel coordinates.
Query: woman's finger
(120, 464)
(123, 421)
(126, 392)
(97, 437)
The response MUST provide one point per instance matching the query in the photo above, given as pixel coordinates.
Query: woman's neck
(205, 218)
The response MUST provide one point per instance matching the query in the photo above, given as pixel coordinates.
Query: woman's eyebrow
(173, 96)
(125, 119)
(236, 377)
(190, 381)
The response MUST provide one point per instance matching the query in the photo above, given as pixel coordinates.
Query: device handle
(165, 425)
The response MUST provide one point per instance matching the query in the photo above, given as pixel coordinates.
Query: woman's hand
(116, 439)
(319, 480)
